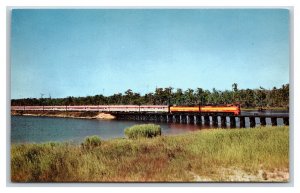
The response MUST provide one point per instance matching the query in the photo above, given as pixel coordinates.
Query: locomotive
(208, 109)
(231, 109)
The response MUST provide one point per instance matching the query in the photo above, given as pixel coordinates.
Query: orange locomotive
(220, 109)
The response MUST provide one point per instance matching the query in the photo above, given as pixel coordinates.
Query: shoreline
(201, 156)
(69, 114)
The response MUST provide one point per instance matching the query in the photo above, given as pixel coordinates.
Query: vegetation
(143, 130)
(91, 142)
(256, 154)
(248, 98)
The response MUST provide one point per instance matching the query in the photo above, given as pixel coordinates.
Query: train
(230, 109)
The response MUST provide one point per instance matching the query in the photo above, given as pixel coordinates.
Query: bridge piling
(286, 121)
(183, 118)
(232, 122)
(242, 122)
(170, 118)
(198, 120)
(252, 121)
(223, 121)
(215, 120)
(191, 119)
(165, 118)
(177, 118)
(157, 118)
(263, 121)
(274, 121)
(206, 120)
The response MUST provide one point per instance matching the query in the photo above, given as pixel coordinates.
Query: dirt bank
(66, 114)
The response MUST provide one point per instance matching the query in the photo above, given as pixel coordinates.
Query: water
(26, 129)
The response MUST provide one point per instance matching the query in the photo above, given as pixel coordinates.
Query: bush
(144, 130)
(91, 142)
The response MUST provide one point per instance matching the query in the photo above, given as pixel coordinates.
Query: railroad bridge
(162, 113)
(206, 119)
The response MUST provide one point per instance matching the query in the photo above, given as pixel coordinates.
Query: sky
(74, 52)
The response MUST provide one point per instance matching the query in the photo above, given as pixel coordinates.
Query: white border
(144, 4)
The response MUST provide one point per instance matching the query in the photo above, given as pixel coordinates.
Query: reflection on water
(42, 129)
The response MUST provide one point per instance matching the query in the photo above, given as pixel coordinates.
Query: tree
(236, 97)
(128, 96)
(260, 97)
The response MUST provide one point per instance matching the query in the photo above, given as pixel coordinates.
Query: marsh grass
(143, 130)
(205, 154)
(91, 142)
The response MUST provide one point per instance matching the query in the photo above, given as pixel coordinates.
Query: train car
(119, 108)
(225, 109)
(33, 108)
(123, 108)
(154, 108)
(174, 109)
(211, 109)
(18, 108)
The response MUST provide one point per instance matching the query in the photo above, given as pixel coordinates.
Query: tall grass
(91, 142)
(143, 130)
(206, 154)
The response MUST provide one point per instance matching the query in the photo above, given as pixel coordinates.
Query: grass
(91, 142)
(215, 155)
(143, 130)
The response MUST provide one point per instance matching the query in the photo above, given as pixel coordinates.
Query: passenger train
(211, 109)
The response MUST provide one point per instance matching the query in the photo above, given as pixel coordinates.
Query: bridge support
(157, 118)
(169, 118)
(198, 120)
(145, 118)
(177, 118)
(252, 121)
(215, 120)
(206, 120)
(242, 122)
(286, 121)
(263, 121)
(191, 119)
(274, 121)
(232, 122)
(183, 118)
(151, 117)
(164, 118)
(223, 121)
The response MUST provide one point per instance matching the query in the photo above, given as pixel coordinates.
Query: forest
(247, 98)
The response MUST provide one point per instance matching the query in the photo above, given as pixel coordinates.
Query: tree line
(247, 98)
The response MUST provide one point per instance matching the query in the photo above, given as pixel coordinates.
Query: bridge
(161, 113)
(206, 119)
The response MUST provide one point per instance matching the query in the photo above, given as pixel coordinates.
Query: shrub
(144, 130)
(91, 142)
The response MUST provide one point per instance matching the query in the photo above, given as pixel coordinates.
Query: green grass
(91, 142)
(206, 154)
(143, 130)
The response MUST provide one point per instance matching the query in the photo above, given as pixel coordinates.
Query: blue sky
(89, 52)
